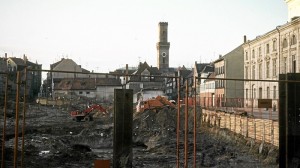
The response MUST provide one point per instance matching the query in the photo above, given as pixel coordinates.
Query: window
(87, 92)
(260, 71)
(268, 69)
(274, 45)
(253, 72)
(254, 93)
(80, 92)
(293, 64)
(284, 43)
(246, 72)
(260, 93)
(246, 93)
(293, 40)
(268, 93)
(267, 48)
(246, 55)
(274, 92)
(253, 53)
(285, 65)
(274, 67)
(259, 51)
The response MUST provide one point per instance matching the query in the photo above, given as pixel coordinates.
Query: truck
(86, 114)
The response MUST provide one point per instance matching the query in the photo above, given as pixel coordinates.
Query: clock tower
(163, 46)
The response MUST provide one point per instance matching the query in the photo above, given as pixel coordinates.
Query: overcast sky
(105, 35)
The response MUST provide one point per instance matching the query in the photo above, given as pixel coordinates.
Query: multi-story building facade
(230, 66)
(267, 56)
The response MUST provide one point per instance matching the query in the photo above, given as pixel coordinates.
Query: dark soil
(53, 139)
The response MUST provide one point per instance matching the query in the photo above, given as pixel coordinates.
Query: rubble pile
(53, 139)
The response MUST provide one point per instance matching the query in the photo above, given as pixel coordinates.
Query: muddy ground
(53, 139)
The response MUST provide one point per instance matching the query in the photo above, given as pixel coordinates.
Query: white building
(267, 56)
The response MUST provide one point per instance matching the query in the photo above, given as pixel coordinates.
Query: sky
(102, 36)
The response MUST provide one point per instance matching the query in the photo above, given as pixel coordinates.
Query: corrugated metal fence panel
(251, 128)
(223, 120)
(260, 129)
(268, 131)
(244, 126)
(276, 133)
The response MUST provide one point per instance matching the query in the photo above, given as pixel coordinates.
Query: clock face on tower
(164, 54)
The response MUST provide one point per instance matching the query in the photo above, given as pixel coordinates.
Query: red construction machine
(87, 113)
(154, 104)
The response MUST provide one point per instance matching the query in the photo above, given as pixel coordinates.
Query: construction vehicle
(87, 113)
(154, 104)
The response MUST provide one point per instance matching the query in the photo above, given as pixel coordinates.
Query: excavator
(154, 104)
(86, 114)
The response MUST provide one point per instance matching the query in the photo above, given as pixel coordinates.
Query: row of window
(267, 95)
(260, 70)
(219, 70)
(293, 41)
(267, 69)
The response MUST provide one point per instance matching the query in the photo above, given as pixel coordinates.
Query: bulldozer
(86, 114)
(154, 104)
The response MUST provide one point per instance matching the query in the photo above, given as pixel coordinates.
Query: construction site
(120, 132)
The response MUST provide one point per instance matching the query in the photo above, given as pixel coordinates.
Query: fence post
(230, 122)
(247, 124)
(254, 125)
(234, 123)
(272, 132)
(263, 139)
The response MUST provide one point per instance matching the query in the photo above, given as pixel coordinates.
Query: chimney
(126, 77)
(245, 38)
(25, 58)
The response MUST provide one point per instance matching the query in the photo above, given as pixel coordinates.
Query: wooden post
(4, 123)
(123, 116)
(254, 125)
(186, 125)
(178, 122)
(24, 114)
(17, 122)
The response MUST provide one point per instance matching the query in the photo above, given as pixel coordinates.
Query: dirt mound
(156, 129)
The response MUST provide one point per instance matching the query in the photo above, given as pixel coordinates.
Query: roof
(200, 67)
(211, 77)
(86, 83)
(108, 82)
(185, 73)
(52, 66)
(18, 61)
(76, 84)
(143, 66)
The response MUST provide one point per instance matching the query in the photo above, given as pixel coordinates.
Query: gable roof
(143, 66)
(17, 61)
(76, 84)
(86, 83)
(201, 66)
